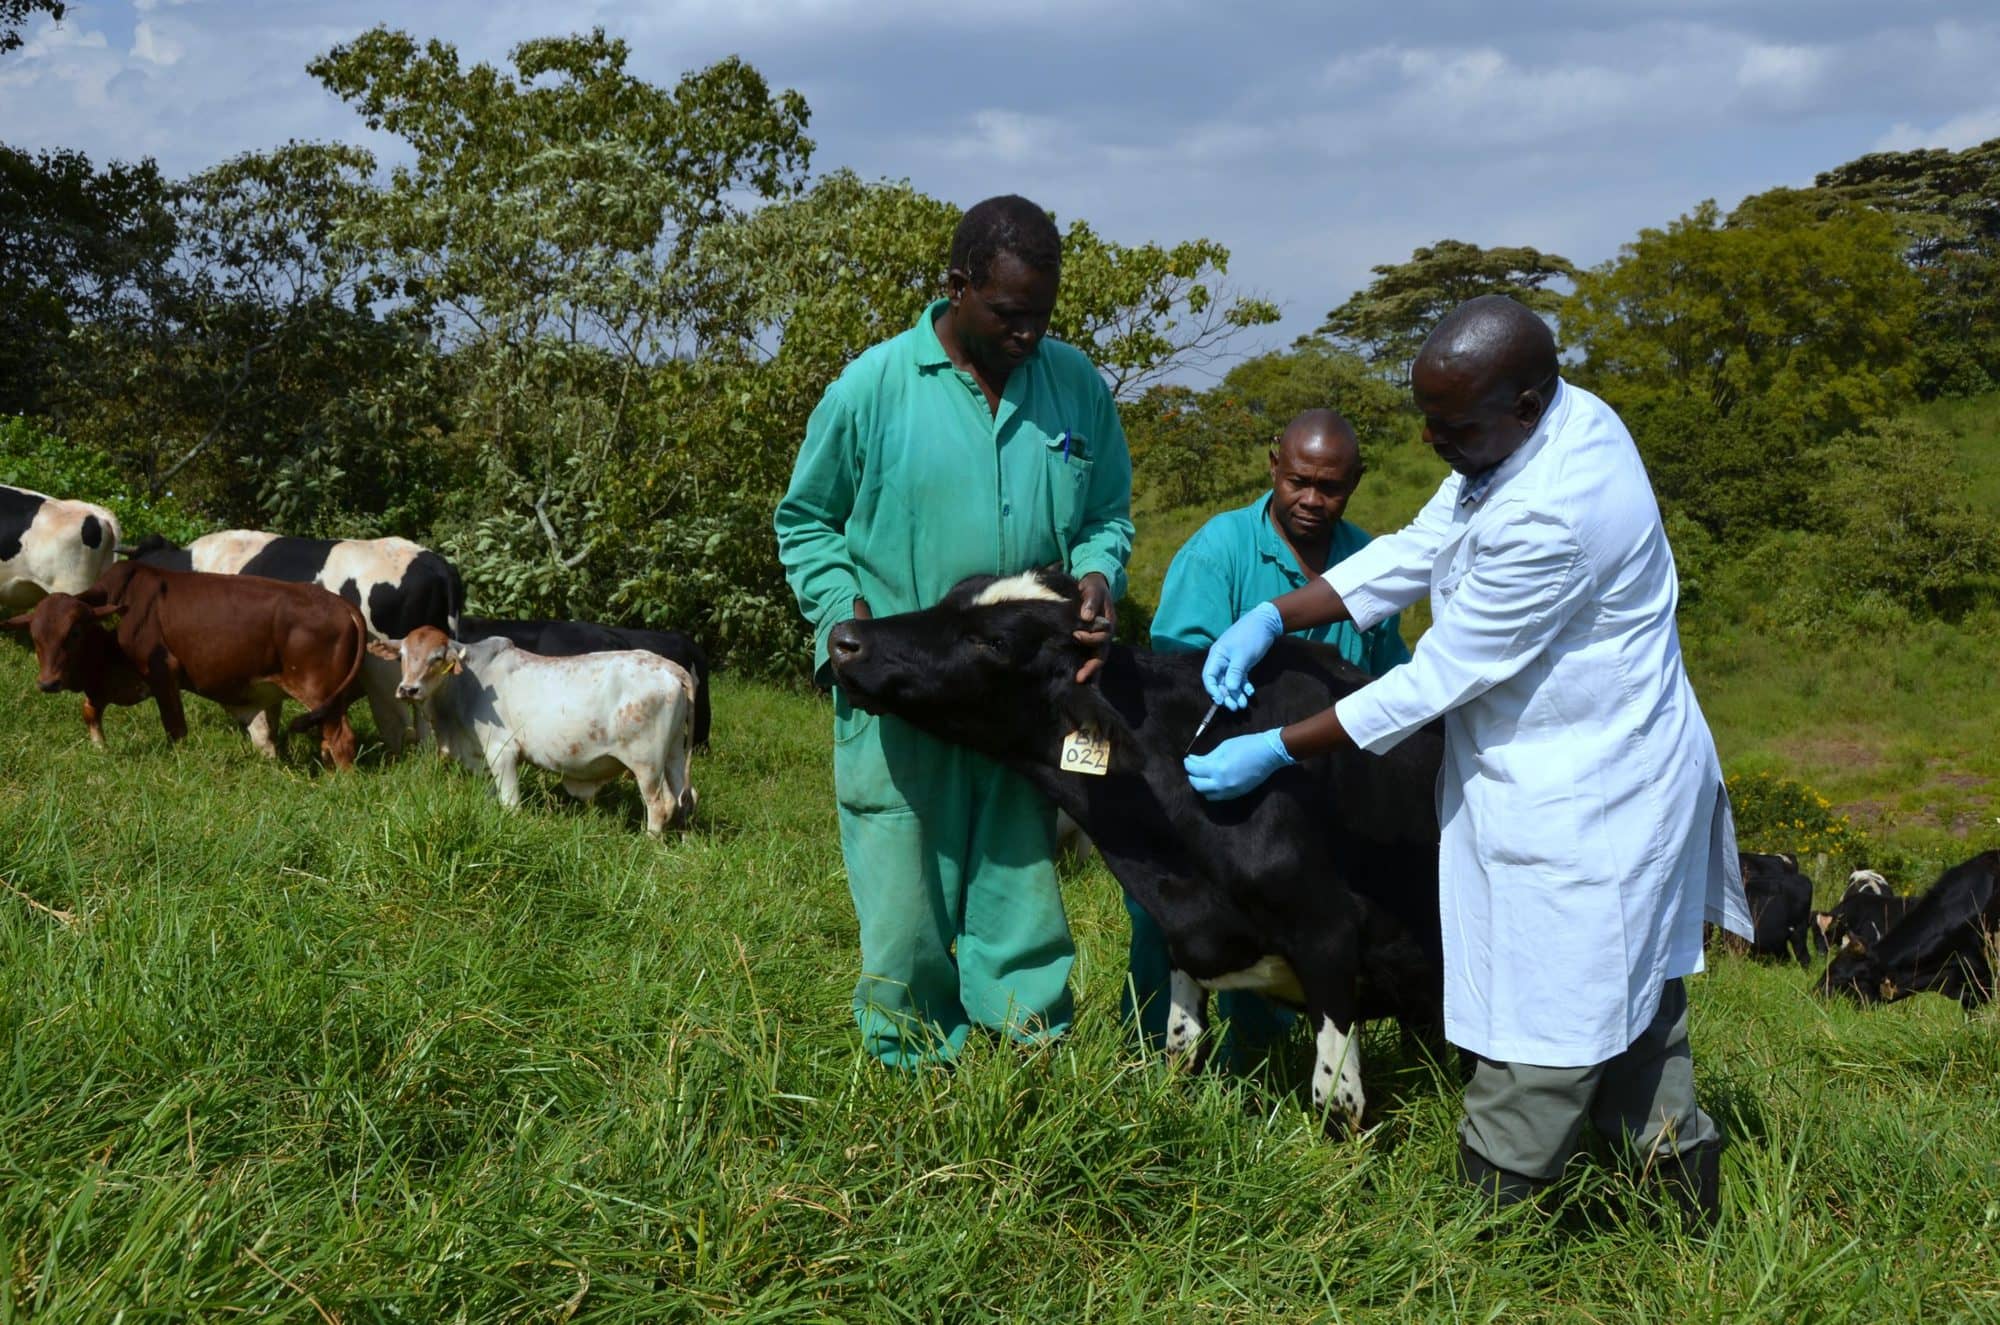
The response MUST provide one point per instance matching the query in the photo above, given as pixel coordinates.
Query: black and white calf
(398, 585)
(1942, 946)
(1318, 889)
(49, 545)
(568, 639)
(1866, 911)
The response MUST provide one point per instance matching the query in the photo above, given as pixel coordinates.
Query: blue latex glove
(1225, 672)
(1239, 765)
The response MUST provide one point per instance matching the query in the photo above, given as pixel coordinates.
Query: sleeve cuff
(1113, 573)
(1364, 609)
(1365, 722)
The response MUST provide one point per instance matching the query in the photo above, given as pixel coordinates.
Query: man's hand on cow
(1225, 674)
(1098, 616)
(1237, 766)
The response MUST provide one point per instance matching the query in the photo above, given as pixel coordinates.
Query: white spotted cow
(398, 585)
(49, 545)
(587, 718)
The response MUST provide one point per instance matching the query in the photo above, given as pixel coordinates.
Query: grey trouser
(1526, 1119)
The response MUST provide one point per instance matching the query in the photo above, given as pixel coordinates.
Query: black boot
(1692, 1179)
(1502, 1187)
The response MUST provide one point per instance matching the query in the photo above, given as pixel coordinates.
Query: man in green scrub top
(1237, 560)
(967, 444)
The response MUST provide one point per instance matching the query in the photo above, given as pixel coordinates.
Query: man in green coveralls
(1234, 562)
(967, 444)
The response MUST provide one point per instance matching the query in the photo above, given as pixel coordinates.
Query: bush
(32, 457)
(1776, 814)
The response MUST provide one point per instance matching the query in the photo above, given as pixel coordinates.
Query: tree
(78, 246)
(1733, 346)
(1387, 321)
(1145, 311)
(1276, 387)
(1946, 207)
(549, 222)
(13, 13)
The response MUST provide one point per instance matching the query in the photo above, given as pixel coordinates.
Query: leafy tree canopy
(1387, 321)
(13, 13)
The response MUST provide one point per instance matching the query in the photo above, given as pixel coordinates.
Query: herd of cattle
(1320, 891)
(249, 619)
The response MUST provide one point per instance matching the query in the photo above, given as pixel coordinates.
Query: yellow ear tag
(1086, 750)
(457, 664)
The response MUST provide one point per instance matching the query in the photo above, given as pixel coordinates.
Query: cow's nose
(406, 692)
(48, 687)
(844, 644)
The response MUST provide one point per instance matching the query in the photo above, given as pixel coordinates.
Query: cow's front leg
(1336, 1089)
(506, 764)
(93, 719)
(167, 696)
(1187, 1017)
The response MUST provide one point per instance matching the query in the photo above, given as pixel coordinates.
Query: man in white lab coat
(1585, 832)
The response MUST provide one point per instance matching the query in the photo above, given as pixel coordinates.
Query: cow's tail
(345, 694)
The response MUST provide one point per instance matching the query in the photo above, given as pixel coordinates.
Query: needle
(1206, 718)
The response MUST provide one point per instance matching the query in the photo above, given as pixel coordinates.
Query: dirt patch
(1830, 751)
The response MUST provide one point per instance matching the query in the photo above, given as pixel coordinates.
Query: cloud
(153, 47)
(1956, 134)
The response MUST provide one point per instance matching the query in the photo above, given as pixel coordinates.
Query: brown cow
(240, 640)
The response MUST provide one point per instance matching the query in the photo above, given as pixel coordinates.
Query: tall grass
(308, 1047)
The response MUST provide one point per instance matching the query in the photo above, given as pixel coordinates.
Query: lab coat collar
(1479, 487)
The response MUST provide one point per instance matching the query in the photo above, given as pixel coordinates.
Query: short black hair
(1006, 224)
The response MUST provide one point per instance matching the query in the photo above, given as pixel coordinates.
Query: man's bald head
(1315, 466)
(1321, 434)
(1483, 378)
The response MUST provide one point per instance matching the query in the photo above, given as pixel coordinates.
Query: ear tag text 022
(1086, 750)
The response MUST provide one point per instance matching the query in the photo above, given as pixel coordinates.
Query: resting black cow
(1318, 889)
(1940, 946)
(1866, 911)
(1780, 906)
(567, 639)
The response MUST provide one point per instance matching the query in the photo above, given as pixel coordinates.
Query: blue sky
(1315, 140)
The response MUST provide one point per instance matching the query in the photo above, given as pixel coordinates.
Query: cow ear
(384, 649)
(109, 609)
(457, 655)
(17, 622)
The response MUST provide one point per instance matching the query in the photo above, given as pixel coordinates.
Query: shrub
(33, 457)
(1776, 814)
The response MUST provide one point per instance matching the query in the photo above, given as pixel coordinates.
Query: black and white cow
(1866, 911)
(1318, 889)
(1781, 910)
(568, 639)
(49, 545)
(1942, 946)
(398, 585)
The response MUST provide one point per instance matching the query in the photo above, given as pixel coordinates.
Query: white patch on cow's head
(1027, 587)
(1867, 881)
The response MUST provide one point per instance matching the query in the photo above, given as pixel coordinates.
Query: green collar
(930, 350)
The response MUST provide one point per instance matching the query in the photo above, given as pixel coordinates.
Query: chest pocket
(1068, 467)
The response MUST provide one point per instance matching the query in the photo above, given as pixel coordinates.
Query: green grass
(308, 1047)
(312, 1047)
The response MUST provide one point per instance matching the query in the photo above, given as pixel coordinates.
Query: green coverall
(1234, 562)
(906, 484)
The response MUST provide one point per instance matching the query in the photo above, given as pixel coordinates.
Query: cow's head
(995, 649)
(429, 659)
(1866, 883)
(1857, 973)
(67, 638)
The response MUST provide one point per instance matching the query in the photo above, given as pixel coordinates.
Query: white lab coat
(1585, 830)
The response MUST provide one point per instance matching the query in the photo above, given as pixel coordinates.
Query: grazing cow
(1318, 889)
(397, 585)
(566, 639)
(48, 545)
(243, 642)
(1940, 946)
(1866, 911)
(586, 718)
(1781, 911)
